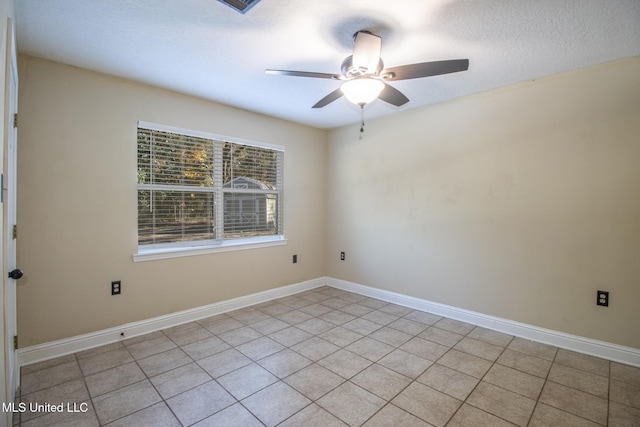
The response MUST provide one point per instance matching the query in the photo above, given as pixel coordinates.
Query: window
(197, 190)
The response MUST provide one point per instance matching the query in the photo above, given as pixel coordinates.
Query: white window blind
(195, 190)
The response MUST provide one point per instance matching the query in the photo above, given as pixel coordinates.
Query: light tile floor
(326, 358)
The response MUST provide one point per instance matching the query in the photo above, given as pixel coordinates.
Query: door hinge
(14, 232)
(15, 120)
(15, 342)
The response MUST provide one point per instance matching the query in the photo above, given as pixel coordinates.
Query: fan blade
(393, 96)
(366, 51)
(305, 74)
(328, 99)
(425, 69)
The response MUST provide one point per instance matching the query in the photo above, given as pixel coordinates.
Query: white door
(12, 374)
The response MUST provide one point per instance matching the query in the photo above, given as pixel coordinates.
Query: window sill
(232, 245)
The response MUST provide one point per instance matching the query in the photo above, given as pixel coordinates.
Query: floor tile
(455, 326)
(381, 381)
(315, 348)
(448, 381)
(162, 362)
(502, 403)
(187, 333)
(224, 362)
(625, 373)
(315, 326)
(391, 415)
(441, 336)
(275, 309)
(69, 392)
(248, 315)
(340, 336)
(150, 347)
(158, 415)
(479, 348)
(269, 326)
(468, 416)
(356, 310)
(103, 361)
(396, 310)
(369, 349)
(50, 363)
(206, 347)
(294, 317)
(492, 337)
(125, 401)
(465, 363)
(284, 363)
(622, 415)
(220, 324)
(533, 348)
(425, 349)
(428, 404)
(516, 381)
(314, 381)
(247, 380)
(625, 393)
(525, 363)
(344, 363)
(380, 317)
(337, 317)
(66, 419)
(545, 415)
(405, 363)
(353, 360)
(178, 380)
(114, 378)
(391, 336)
(422, 317)
(583, 362)
(316, 309)
(312, 416)
(290, 336)
(577, 402)
(351, 403)
(49, 377)
(260, 348)
(200, 402)
(234, 415)
(240, 336)
(362, 326)
(275, 403)
(579, 379)
(373, 303)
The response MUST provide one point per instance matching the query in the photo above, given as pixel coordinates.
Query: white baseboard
(605, 350)
(602, 349)
(53, 349)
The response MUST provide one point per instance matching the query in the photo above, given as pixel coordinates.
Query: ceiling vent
(241, 6)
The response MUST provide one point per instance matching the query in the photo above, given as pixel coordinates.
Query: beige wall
(77, 205)
(518, 203)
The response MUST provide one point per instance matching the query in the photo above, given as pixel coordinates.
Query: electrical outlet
(341, 256)
(603, 298)
(116, 287)
(295, 259)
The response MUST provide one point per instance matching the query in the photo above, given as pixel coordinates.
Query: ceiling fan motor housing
(350, 71)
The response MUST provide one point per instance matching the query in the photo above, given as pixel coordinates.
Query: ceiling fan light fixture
(362, 91)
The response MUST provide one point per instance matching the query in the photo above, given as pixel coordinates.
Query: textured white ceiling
(206, 49)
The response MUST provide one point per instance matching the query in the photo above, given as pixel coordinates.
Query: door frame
(9, 307)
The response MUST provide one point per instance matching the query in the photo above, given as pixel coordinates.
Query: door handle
(15, 274)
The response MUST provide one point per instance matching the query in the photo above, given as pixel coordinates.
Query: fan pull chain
(362, 122)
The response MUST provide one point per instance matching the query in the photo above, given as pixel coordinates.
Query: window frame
(195, 247)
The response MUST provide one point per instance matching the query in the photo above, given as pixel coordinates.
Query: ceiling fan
(365, 77)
